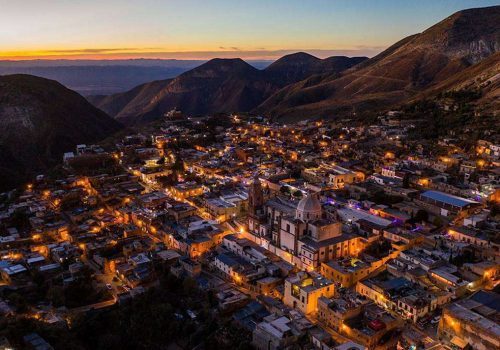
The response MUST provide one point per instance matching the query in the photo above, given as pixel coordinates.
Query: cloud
(368, 47)
(231, 48)
(101, 50)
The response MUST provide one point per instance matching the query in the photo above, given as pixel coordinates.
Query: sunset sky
(201, 29)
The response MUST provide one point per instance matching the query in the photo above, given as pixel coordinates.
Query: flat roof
(487, 298)
(14, 269)
(448, 198)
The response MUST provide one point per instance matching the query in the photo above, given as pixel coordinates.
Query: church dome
(309, 208)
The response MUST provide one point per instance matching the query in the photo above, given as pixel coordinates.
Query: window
(287, 227)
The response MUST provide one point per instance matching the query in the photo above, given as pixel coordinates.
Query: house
(303, 290)
(472, 322)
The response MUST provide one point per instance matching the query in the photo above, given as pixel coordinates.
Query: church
(300, 233)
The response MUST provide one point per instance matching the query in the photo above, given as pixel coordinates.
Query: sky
(203, 29)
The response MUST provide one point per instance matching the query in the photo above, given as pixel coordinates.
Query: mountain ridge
(400, 72)
(219, 85)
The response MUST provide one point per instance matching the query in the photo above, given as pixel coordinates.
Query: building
(245, 248)
(185, 190)
(302, 235)
(484, 243)
(472, 236)
(186, 266)
(278, 332)
(445, 204)
(472, 323)
(348, 271)
(354, 317)
(334, 176)
(151, 171)
(12, 274)
(274, 333)
(338, 177)
(220, 209)
(229, 264)
(399, 295)
(255, 196)
(333, 312)
(303, 290)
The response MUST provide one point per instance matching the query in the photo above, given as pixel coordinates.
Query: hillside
(404, 70)
(483, 77)
(220, 85)
(40, 120)
(131, 102)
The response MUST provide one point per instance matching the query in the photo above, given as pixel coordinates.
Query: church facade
(300, 233)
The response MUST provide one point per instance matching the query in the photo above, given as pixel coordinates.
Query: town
(328, 235)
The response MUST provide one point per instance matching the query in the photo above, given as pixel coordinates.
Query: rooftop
(448, 198)
(309, 281)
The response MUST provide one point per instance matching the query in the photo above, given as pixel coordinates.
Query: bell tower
(255, 195)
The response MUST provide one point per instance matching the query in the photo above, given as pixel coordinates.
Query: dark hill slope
(40, 120)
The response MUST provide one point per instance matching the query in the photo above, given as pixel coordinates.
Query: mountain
(40, 120)
(298, 66)
(406, 69)
(220, 85)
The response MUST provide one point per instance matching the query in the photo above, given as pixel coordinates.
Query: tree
(20, 219)
(70, 201)
(285, 189)
(19, 302)
(421, 216)
(298, 194)
(55, 295)
(437, 221)
(178, 166)
(166, 181)
(189, 285)
(406, 180)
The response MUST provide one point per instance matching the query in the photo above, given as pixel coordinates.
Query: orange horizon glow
(117, 54)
